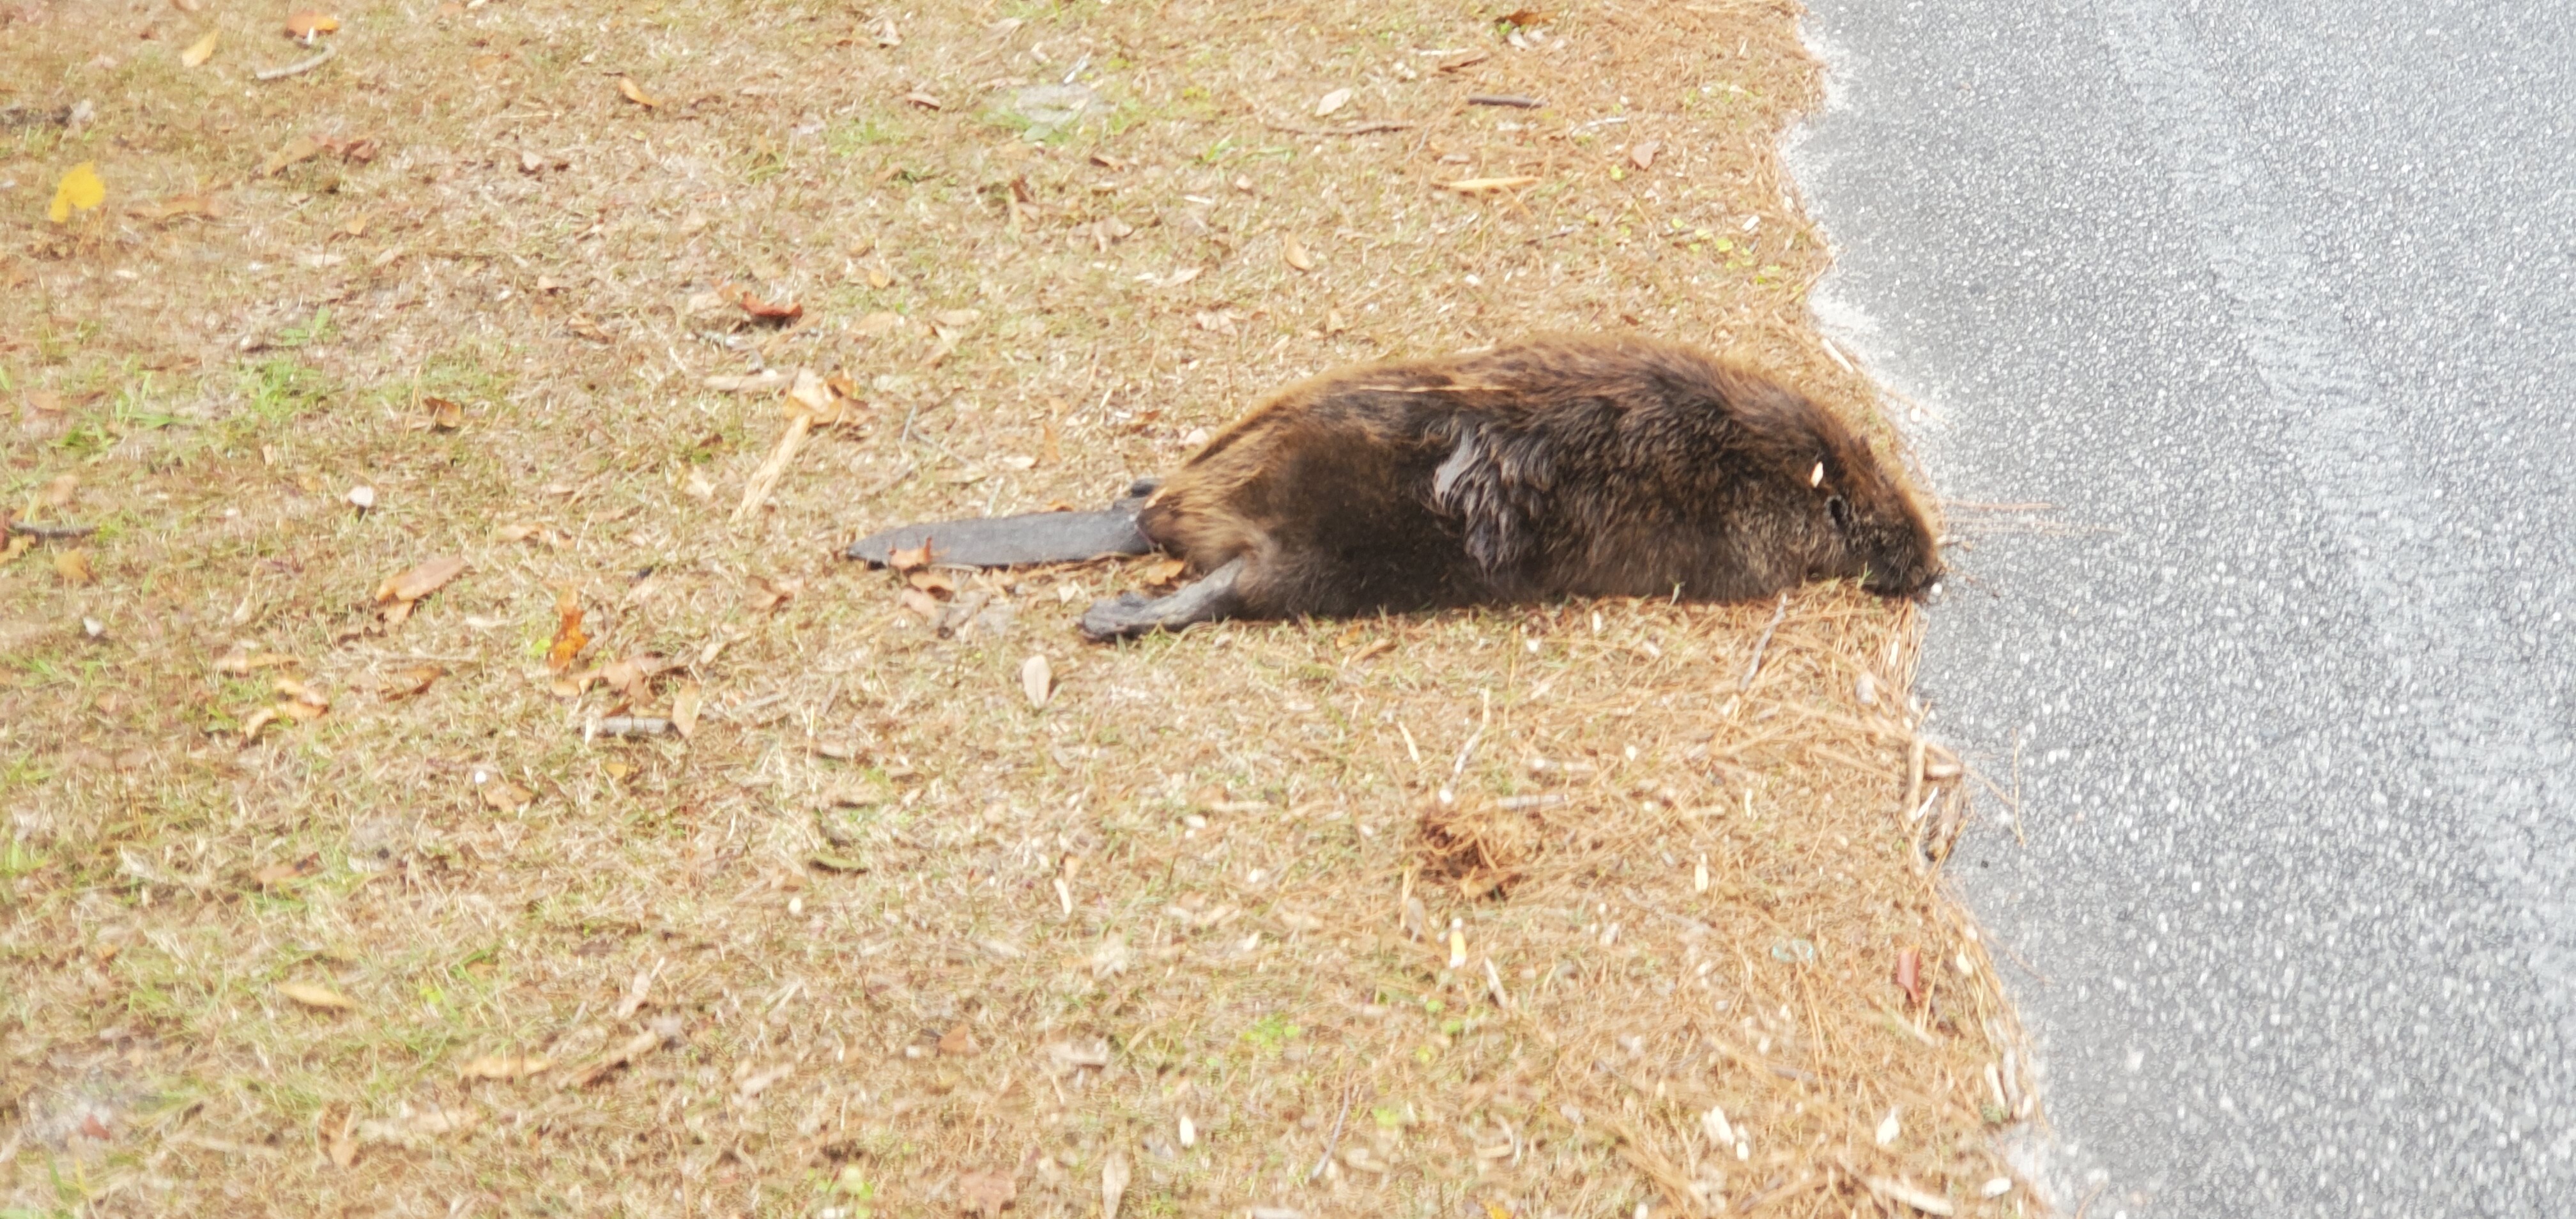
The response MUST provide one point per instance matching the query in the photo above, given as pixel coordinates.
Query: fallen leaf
(878, 323)
(749, 383)
(986, 1193)
(685, 703)
(1293, 252)
(1115, 1173)
(909, 558)
(1899, 1191)
(1642, 153)
(201, 50)
(1331, 102)
(444, 415)
(301, 148)
(357, 225)
(1481, 186)
(959, 319)
(921, 603)
(80, 190)
(569, 639)
(344, 1141)
(810, 392)
(505, 1066)
(304, 25)
(505, 796)
(878, 278)
(60, 490)
(774, 593)
(766, 310)
(633, 1048)
(414, 680)
(921, 99)
(627, 88)
(276, 875)
(422, 580)
(243, 664)
(1333, 323)
(1037, 680)
(935, 583)
(959, 1042)
(322, 997)
(1909, 974)
(73, 567)
(1164, 571)
(1526, 17)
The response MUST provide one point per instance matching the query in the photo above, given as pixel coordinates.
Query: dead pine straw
(1492, 912)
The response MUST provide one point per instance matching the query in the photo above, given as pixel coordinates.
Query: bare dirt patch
(447, 771)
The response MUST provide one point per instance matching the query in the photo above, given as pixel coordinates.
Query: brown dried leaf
(313, 996)
(1037, 680)
(774, 593)
(1642, 153)
(60, 490)
(505, 1066)
(959, 1042)
(258, 719)
(986, 1193)
(766, 310)
(444, 415)
(73, 567)
(1163, 571)
(1293, 252)
(412, 681)
(936, 583)
(921, 603)
(685, 704)
(504, 796)
(569, 639)
(201, 50)
(627, 88)
(246, 663)
(1485, 186)
(301, 148)
(878, 322)
(422, 580)
(278, 875)
(1115, 1173)
(304, 25)
(344, 1141)
(924, 100)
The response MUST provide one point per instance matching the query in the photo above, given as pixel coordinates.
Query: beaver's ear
(1816, 477)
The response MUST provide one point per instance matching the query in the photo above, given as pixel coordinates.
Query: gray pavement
(2274, 306)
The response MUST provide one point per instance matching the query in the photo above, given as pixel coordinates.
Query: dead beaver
(1560, 466)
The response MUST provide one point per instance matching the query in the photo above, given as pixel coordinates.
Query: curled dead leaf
(504, 796)
(421, 581)
(959, 1042)
(569, 639)
(767, 310)
(505, 1066)
(910, 558)
(301, 148)
(321, 997)
(1037, 680)
(444, 415)
(685, 704)
(1331, 102)
(1293, 252)
(73, 567)
(201, 50)
(627, 88)
(304, 25)
(1486, 186)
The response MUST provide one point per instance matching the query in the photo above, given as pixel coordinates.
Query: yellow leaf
(200, 51)
(635, 93)
(79, 190)
(315, 996)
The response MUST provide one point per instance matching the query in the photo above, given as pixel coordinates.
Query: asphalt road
(2274, 306)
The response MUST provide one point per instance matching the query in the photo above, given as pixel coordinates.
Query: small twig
(52, 532)
(1336, 1139)
(299, 67)
(1353, 129)
(1777, 613)
(765, 479)
(1514, 100)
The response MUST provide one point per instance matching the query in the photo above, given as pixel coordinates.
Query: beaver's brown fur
(1555, 467)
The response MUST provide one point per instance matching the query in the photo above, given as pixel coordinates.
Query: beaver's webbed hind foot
(1207, 599)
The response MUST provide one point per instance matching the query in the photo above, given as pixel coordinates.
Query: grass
(884, 925)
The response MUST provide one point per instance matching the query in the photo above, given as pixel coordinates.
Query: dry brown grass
(881, 936)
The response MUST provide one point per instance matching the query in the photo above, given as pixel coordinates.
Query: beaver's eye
(1839, 509)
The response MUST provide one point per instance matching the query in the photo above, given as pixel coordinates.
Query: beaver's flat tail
(1014, 541)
